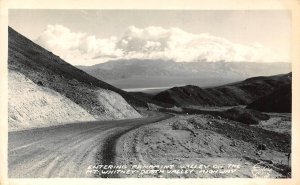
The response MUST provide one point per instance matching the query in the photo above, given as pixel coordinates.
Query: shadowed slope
(278, 101)
(239, 93)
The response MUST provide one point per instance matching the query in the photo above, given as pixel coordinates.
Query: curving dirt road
(67, 150)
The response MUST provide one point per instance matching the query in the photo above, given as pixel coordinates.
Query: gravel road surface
(67, 150)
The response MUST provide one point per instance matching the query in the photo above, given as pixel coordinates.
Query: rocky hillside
(52, 83)
(240, 93)
(278, 101)
(31, 105)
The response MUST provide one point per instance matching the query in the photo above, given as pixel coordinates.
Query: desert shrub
(248, 119)
(182, 125)
(247, 116)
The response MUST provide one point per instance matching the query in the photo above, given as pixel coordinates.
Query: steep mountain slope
(149, 99)
(137, 73)
(278, 101)
(240, 93)
(39, 64)
(46, 73)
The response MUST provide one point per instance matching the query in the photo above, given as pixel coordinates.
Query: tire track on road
(107, 154)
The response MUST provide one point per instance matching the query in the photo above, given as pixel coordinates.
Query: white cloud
(150, 43)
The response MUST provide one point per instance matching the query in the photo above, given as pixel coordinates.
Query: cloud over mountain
(150, 43)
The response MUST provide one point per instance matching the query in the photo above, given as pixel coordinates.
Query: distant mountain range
(239, 93)
(137, 73)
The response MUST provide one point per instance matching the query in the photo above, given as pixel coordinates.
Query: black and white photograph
(149, 93)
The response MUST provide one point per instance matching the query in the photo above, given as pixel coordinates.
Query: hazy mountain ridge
(160, 73)
(239, 93)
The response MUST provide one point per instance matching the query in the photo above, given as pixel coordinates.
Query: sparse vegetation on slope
(278, 101)
(249, 117)
(238, 114)
(148, 98)
(240, 93)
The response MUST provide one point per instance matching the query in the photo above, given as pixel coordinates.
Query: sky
(88, 37)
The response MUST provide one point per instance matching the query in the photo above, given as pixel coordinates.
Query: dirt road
(67, 150)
